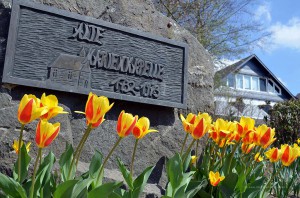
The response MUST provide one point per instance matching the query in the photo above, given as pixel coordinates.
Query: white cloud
(263, 13)
(286, 35)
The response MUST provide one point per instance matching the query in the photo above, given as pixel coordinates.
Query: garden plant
(237, 161)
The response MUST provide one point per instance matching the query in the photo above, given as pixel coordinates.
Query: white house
(247, 88)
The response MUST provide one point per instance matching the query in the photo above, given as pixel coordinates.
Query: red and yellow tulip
(265, 136)
(15, 146)
(188, 121)
(220, 131)
(245, 125)
(46, 133)
(51, 103)
(95, 109)
(246, 148)
(126, 123)
(142, 128)
(201, 126)
(258, 157)
(215, 178)
(289, 154)
(273, 154)
(29, 109)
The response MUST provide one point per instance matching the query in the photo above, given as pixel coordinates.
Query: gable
(252, 69)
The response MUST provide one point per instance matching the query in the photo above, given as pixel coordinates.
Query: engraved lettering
(146, 69)
(101, 59)
(90, 33)
(132, 65)
(145, 89)
(123, 85)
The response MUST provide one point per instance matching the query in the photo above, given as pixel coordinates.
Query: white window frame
(273, 91)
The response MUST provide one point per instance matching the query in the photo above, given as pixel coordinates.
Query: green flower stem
(231, 156)
(81, 143)
(34, 172)
(188, 150)
(106, 159)
(184, 142)
(133, 155)
(196, 152)
(19, 152)
(86, 135)
(223, 153)
(267, 185)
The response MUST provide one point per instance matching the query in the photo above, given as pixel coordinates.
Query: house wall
(224, 106)
(62, 76)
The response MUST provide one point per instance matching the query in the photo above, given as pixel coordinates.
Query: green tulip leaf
(228, 185)
(81, 187)
(65, 189)
(104, 190)
(25, 160)
(140, 182)
(65, 162)
(95, 164)
(126, 174)
(11, 188)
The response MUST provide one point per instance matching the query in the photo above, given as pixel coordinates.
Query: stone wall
(137, 14)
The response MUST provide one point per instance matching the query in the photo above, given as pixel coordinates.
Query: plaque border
(11, 46)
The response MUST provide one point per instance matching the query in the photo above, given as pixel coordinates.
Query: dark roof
(231, 68)
(67, 61)
(236, 66)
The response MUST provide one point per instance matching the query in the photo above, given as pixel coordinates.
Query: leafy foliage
(285, 117)
(226, 28)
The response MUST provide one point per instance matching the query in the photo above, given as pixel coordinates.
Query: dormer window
(254, 83)
(273, 88)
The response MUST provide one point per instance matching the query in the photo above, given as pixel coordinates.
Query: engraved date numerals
(145, 89)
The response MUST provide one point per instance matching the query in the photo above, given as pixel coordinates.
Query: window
(69, 75)
(263, 84)
(247, 82)
(54, 74)
(255, 83)
(230, 80)
(239, 81)
(273, 88)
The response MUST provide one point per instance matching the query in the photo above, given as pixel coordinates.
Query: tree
(226, 28)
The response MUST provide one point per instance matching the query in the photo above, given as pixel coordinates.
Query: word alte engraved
(90, 33)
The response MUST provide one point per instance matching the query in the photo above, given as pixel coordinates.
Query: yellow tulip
(265, 136)
(29, 109)
(51, 103)
(215, 178)
(201, 126)
(126, 122)
(16, 146)
(273, 154)
(142, 128)
(95, 109)
(258, 157)
(245, 125)
(194, 159)
(188, 121)
(46, 133)
(289, 154)
(219, 132)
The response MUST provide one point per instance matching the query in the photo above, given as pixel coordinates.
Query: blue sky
(282, 53)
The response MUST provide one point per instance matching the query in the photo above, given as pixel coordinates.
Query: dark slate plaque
(56, 49)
